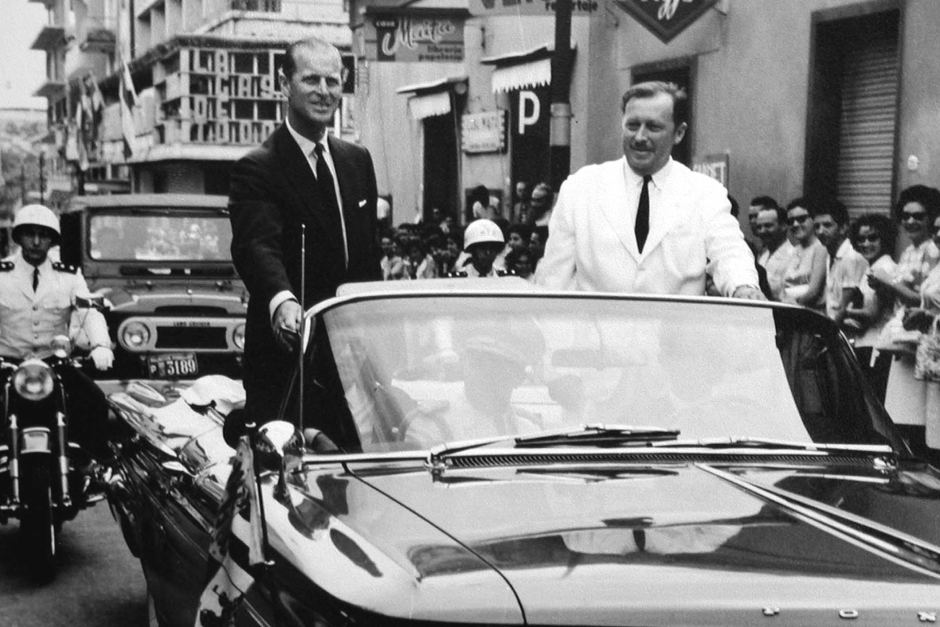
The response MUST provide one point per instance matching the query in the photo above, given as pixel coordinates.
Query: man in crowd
(540, 205)
(846, 266)
(758, 204)
(483, 242)
(771, 227)
(646, 223)
(520, 209)
(300, 176)
(37, 299)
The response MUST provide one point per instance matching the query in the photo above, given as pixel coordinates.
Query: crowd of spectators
(435, 247)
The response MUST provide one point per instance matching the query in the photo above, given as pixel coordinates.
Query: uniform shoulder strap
(6, 266)
(58, 266)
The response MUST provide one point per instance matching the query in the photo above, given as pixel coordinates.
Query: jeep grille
(194, 337)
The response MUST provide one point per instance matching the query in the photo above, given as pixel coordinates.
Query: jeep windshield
(160, 236)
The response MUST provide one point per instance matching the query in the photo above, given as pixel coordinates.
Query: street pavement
(98, 581)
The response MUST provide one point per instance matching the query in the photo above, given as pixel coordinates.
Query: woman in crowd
(419, 264)
(804, 282)
(873, 236)
(906, 398)
(922, 318)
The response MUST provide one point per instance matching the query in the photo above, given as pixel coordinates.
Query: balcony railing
(265, 6)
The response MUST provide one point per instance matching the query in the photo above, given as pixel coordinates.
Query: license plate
(172, 365)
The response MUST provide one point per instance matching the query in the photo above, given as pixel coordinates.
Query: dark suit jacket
(272, 193)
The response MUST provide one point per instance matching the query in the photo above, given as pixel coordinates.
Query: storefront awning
(433, 97)
(429, 105)
(518, 70)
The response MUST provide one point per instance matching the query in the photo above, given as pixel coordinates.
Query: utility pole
(560, 125)
(42, 177)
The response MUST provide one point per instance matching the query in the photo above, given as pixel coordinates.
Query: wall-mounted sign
(715, 166)
(665, 18)
(530, 7)
(483, 132)
(418, 37)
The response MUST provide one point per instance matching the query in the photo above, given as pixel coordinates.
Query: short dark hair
(764, 201)
(480, 194)
(648, 89)
(882, 225)
(928, 197)
(289, 65)
(805, 202)
(834, 208)
(523, 230)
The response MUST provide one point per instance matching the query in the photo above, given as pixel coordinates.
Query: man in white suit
(646, 223)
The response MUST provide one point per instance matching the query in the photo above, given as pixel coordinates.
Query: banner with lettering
(530, 7)
(665, 18)
(415, 37)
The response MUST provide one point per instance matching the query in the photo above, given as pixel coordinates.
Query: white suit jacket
(591, 244)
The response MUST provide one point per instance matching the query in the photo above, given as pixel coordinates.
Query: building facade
(164, 95)
(788, 97)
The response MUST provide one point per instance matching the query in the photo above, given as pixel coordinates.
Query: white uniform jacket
(29, 320)
(591, 244)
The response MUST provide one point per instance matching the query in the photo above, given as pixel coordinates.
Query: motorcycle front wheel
(37, 525)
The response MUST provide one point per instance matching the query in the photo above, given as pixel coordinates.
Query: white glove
(102, 356)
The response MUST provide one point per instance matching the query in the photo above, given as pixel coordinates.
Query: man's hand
(748, 292)
(102, 356)
(286, 324)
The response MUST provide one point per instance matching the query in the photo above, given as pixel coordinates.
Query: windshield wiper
(772, 444)
(597, 435)
(582, 435)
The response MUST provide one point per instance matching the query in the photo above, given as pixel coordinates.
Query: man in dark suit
(299, 175)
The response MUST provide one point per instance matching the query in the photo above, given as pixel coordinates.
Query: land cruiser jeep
(176, 307)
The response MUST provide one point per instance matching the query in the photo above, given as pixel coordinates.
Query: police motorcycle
(44, 478)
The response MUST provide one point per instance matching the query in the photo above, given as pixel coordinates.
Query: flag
(230, 581)
(82, 113)
(128, 98)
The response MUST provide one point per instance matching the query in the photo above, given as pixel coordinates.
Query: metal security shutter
(867, 130)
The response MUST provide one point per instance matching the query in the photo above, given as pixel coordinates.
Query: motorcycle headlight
(33, 380)
(238, 337)
(135, 335)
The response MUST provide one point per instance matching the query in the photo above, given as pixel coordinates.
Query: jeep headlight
(33, 380)
(238, 337)
(135, 335)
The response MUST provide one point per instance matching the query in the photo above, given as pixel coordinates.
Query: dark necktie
(327, 192)
(35, 277)
(642, 225)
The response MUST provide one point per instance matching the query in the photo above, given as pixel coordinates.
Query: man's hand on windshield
(748, 292)
(102, 356)
(286, 324)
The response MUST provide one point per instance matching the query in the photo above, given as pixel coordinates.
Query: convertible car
(458, 452)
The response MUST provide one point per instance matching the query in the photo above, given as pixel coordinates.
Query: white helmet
(38, 215)
(482, 231)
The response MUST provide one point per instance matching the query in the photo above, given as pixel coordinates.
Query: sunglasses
(920, 215)
(798, 219)
(873, 237)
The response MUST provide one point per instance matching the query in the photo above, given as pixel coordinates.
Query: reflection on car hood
(647, 542)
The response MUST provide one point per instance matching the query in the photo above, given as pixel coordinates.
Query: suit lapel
(614, 188)
(663, 219)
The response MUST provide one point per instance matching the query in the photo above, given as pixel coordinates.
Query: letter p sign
(529, 110)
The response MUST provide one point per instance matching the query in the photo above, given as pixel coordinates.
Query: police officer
(37, 299)
(483, 241)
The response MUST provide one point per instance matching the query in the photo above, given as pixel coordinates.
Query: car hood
(653, 544)
(142, 298)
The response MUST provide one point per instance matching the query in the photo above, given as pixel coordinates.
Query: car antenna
(300, 339)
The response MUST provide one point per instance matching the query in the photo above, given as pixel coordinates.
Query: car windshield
(414, 372)
(160, 236)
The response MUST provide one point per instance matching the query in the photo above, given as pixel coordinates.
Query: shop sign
(715, 166)
(483, 132)
(420, 37)
(530, 7)
(665, 18)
